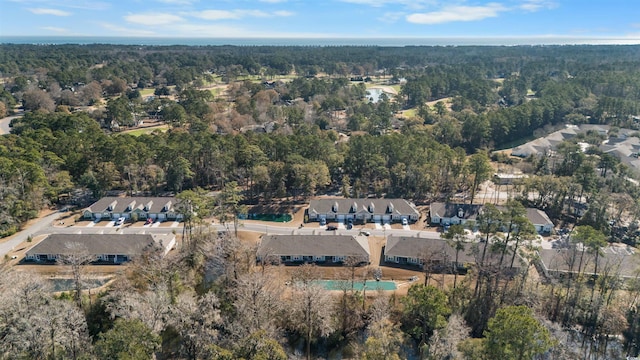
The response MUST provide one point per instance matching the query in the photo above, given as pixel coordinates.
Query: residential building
(99, 248)
(441, 254)
(540, 220)
(112, 208)
(452, 214)
(321, 249)
(362, 210)
(622, 261)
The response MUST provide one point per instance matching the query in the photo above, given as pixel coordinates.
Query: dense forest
(433, 138)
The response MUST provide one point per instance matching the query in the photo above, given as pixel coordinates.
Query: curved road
(4, 123)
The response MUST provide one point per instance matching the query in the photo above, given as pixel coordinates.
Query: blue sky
(595, 19)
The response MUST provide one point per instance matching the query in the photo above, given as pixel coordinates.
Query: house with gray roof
(540, 220)
(321, 249)
(622, 261)
(415, 251)
(112, 208)
(101, 248)
(362, 210)
(451, 213)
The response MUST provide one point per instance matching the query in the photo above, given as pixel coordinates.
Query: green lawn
(410, 113)
(216, 91)
(149, 130)
(147, 91)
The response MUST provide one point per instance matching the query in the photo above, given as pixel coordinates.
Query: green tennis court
(357, 285)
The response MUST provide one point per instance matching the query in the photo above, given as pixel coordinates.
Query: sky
(614, 21)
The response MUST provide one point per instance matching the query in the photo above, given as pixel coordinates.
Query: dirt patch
(249, 237)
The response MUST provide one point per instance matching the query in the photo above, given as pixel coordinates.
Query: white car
(120, 221)
(405, 221)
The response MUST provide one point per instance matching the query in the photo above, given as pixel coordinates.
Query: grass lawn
(216, 91)
(147, 91)
(410, 113)
(148, 130)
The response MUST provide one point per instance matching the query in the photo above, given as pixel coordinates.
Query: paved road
(4, 123)
(281, 230)
(41, 226)
(45, 226)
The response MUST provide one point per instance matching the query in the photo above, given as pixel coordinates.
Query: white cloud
(457, 13)
(55, 12)
(214, 15)
(210, 30)
(413, 4)
(126, 31)
(283, 13)
(391, 17)
(149, 19)
(535, 5)
(55, 29)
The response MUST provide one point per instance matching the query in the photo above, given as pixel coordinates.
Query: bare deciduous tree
(309, 307)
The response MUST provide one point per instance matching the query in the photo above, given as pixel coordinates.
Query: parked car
(323, 221)
(331, 228)
(405, 221)
(149, 221)
(120, 221)
(365, 233)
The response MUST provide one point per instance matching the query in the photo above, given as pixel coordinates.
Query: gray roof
(98, 244)
(614, 259)
(154, 205)
(538, 217)
(370, 206)
(415, 247)
(449, 210)
(314, 245)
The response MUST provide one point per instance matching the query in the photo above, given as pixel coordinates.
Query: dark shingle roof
(415, 247)
(128, 204)
(624, 261)
(538, 217)
(378, 206)
(449, 210)
(314, 245)
(98, 244)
